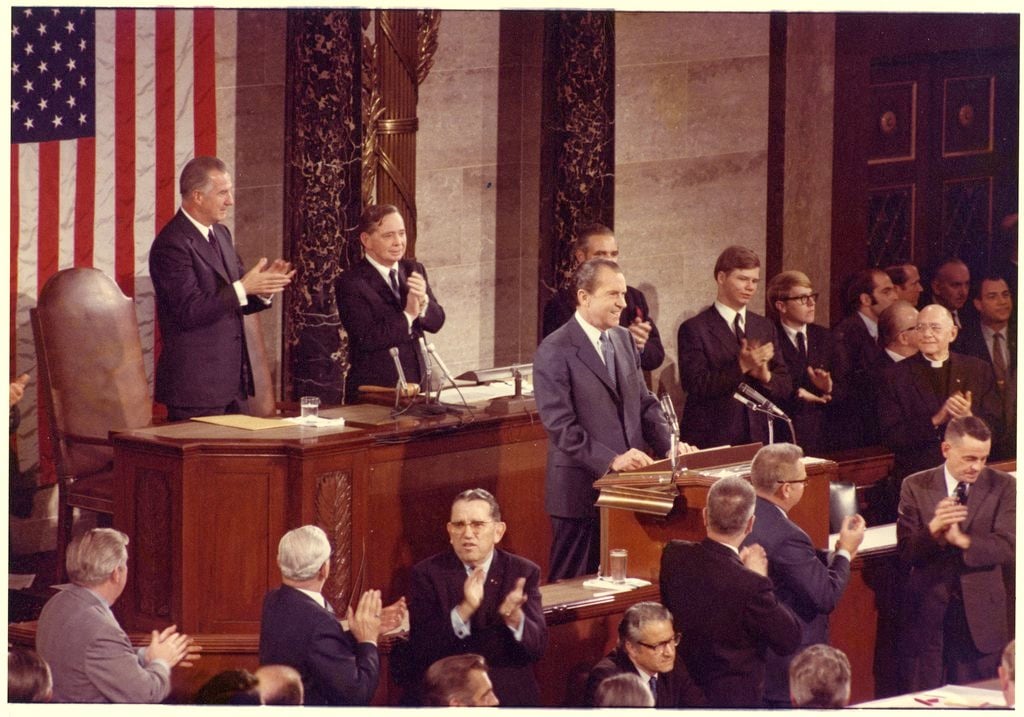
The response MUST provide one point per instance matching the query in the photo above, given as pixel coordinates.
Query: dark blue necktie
(654, 688)
(394, 284)
(961, 493)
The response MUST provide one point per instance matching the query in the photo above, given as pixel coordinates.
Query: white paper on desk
(961, 696)
(317, 421)
(20, 582)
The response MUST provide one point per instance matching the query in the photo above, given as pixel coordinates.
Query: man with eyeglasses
(956, 533)
(868, 293)
(919, 396)
(647, 648)
(723, 603)
(477, 598)
(810, 355)
(806, 580)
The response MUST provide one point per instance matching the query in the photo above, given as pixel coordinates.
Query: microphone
(426, 364)
(761, 402)
(402, 384)
(440, 362)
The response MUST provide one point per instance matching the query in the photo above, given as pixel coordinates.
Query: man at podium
(597, 411)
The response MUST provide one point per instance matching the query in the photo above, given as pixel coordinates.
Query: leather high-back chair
(263, 402)
(93, 378)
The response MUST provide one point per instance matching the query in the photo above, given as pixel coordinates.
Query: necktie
(394, 284)
(608, 352)
(653, 684)
(961, 493)
(956, 319)
(998, 359)
(216, 247)
(737, 325)
(801, 345)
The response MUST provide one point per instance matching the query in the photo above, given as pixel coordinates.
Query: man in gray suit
(89, 654)
(597, 410)
(956, 530)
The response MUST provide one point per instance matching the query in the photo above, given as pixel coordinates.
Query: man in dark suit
(955, 533)
(868, 293)
(647, 648)
(385, 303)
(993, 339)
(950, 287)
(202, 292)
(598, 413)
(917, 397)
(597, 241)
(479, 599)
(897, 333)
(299, 628)
(805, 579)
(723, 603)
(726, 345)
(810, 356)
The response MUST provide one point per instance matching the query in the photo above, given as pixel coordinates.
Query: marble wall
(691, 157)
(477, 179)
(258, 155)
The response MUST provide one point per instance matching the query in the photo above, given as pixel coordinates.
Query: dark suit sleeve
(346, 670)
(535, 631)
(995, 543)
(433, 318)
(770, 621)
(186, 304)
(985, 403)
(600, 672)
(430, 623)
(901, 426)
(654, 352)
(805, 575)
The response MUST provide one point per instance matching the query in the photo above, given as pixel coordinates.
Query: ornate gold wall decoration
(393, 68)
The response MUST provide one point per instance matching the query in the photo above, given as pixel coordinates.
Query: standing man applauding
(385, 303)
(202, 292)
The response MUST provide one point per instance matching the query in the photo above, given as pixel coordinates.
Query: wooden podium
(642, 511)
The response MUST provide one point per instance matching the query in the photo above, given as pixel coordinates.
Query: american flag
(106, 107)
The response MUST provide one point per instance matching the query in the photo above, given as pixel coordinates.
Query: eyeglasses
(934, 328)
(805, 299)
(673, 641)
(475, 525)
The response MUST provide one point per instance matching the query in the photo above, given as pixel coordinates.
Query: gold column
(394, 66)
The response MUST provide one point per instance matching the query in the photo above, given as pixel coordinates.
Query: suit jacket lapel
(205, 249)
(588, 354)
(377, 283)
(976, 496)
(721, 330)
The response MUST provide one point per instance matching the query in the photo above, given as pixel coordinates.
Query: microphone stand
(771, 422)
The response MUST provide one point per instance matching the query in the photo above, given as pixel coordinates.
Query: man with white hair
(299, 627)
(90, 656)
(819, 678)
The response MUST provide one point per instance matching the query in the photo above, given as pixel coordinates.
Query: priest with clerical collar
(920, 395)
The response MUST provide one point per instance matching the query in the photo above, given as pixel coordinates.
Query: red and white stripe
(164, 93)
